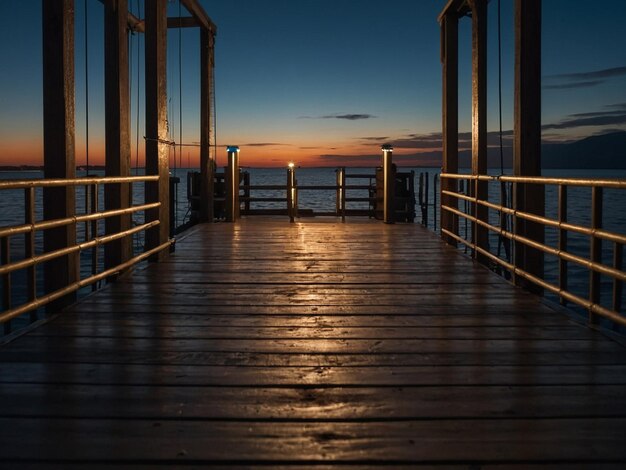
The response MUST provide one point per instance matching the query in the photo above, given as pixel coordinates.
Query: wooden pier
(314, 343)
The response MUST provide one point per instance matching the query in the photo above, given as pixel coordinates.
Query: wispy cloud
(373, 139)
(614, 114)
(263, 144)
(593, 75)
(590, 79)
(347, 117)
(566, 86)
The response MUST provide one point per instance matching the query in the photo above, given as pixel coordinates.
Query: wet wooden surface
(314, 343)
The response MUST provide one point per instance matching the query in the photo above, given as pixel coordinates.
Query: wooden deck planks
(269, 343)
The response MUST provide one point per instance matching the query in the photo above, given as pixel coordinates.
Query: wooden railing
(91, 235)
(597, 235)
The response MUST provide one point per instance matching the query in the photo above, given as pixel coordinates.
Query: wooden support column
(117, 126)
(450, 115)
(58, 140)
(479, 118)
(156, 121)
(527, 133)
(207, 160)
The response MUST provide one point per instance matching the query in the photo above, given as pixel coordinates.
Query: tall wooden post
(117, 126)
(156, 121)
(207, 160)
(479, 117)
(58, 140)
(450, 117)
(527, 133)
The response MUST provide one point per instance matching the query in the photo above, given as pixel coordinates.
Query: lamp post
(388, 185)
(232, 184)
(292, 196)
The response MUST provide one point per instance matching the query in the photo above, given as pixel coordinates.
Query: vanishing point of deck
(264, 342)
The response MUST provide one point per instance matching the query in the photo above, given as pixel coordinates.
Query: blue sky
(326, 81)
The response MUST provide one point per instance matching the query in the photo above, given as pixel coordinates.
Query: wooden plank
(584, 440)
(59, 141)
(352, 404)
(117, 127)
(200, 15)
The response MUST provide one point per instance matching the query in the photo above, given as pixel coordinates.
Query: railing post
(59, 141)
(388, 185)
(232, 184)
(617, 283)
(595, 251)
(562, 214)
(29, 248)
(94, 232)
(5, 258)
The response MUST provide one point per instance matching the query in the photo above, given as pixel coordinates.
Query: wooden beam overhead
(457, 8)
(196, 10)
(182, 22)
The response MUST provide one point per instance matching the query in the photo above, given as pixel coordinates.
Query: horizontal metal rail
(90, 219)
(48, 224)
(49, 183)
(605, 183)
(41, 301)
(50, 255)
(593, 264)
(592, 307)
(594, 232)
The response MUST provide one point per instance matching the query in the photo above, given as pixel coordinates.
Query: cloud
(433, 140)
(566, 86)
(348, 117)
(583, 79)
(616, 115)
(373, 139)
(262, 144)
(593, 75)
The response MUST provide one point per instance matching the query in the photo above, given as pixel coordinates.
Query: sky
(321, 82)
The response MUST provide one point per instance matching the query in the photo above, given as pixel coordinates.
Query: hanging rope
(86, 91)
(139, 15)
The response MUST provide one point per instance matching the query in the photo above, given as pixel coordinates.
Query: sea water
(579, 212)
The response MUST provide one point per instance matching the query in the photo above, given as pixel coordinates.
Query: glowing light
(291, 165)
(387, 148)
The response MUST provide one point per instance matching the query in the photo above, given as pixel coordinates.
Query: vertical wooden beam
(527, 133)
(117, 126)
(156, 121)
(450, 118)
(58, 140)
(479, 117)
(207, 161)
